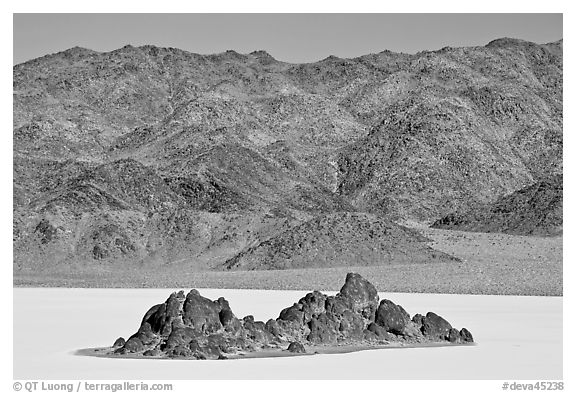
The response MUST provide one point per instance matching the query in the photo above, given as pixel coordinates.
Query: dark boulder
(236, 343)
(133, 345)
(291, 331)
(201, 314)
(223, 303)
(369, 336)
(194, 346)
(351, 326)
(220, 341)
(199, 355)
(163, 317)
(466, 336)
(418, 319)
(146, 335)
(411, 330)
(360, 295)
(296, 347)
(323, 330)
(292, 314)
(313, 304)
(211, 351)
(434, 326)
(228, 319)
(335, 305)
(152, 352)
(119, 342)
(256, 331)
(392, 317)
(161, 320)
(179, 352)
(273, 328)
(226, 316)
(259, 325)
(150, 315)
(181, 337)
(379, 331)
(454, 336)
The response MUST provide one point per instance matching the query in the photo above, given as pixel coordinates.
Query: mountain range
(157, 156)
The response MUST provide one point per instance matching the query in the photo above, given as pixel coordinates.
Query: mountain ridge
(109, 146)
(265, 53)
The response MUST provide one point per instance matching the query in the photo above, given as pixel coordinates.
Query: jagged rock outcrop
(296, 347)
(191, 326)
(120, 342)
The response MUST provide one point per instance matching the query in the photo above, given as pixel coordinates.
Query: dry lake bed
(518, 337)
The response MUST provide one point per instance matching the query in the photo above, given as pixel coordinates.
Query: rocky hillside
(156, 155)
(533, 210)
(335, 240)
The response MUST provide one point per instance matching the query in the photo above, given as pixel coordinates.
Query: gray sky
(289, 37)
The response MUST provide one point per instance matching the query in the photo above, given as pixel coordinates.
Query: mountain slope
(477, 124)
(157, 155)
(533, 210)
(339, 240)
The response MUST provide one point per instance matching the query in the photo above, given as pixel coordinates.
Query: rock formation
(192, 326)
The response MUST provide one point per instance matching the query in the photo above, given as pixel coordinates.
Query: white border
(231, 6)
